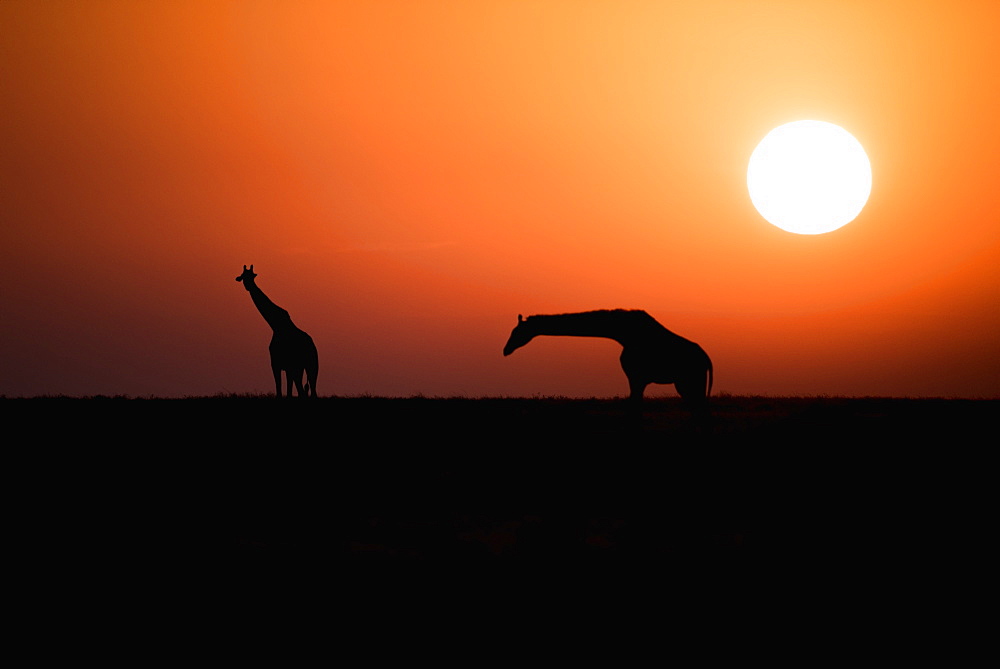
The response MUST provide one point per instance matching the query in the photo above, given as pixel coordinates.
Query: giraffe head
(247, 277)
(519, 336)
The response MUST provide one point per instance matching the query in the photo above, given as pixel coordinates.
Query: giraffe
(650, 352)
(292, 350)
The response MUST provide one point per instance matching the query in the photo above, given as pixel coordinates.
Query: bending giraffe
(650, 352)
(292, 350)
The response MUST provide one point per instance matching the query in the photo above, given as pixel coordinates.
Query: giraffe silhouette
(292, 350)
(650, 352)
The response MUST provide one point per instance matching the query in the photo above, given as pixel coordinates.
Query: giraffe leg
(636, 390)
(288, 382)
(297, 377)
(277, 380)
(634, 402)
(311, 375)
(692, 391)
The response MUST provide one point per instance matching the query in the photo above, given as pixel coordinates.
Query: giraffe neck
(619, 325)
(275, 316)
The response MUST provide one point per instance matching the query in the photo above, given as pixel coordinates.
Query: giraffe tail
(711, 378)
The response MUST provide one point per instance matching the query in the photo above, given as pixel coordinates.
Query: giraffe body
(650, 352)
(292, 350)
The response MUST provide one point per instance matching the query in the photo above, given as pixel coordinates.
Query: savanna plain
(539, 477)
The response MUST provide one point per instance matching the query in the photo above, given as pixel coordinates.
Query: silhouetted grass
(460, 476)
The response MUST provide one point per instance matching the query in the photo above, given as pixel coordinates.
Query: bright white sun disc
(809, 177)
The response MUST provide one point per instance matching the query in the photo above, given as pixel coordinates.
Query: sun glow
(809, 177)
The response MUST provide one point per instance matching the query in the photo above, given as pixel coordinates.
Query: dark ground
(786, 478)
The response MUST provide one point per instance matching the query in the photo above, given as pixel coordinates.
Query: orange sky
(407, 177)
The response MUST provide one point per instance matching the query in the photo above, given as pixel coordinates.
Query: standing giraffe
(292, 350)
(650, 352)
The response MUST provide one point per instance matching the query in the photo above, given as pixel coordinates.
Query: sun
(809, 177)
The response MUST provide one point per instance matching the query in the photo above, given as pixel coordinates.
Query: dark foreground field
(446, 478)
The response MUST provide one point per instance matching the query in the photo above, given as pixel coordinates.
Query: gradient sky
(408, 177)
